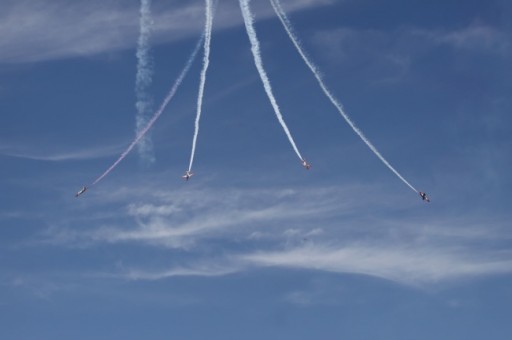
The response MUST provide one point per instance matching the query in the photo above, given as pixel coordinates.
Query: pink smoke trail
(157, 114)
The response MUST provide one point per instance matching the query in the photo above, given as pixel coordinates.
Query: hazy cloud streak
(59, 155)
(54, 29)
(287, 229)
(407, 265)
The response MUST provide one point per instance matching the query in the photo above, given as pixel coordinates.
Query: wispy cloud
(386, 54)
(317, 291)
(201, 269)
(390, 54)
(45, 30)
(343, 41)
(476, 36)
(181, 221)
(327, 229)
(403, 264)
(56, 155)
(41, 289)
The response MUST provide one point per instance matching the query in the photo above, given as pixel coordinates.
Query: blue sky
(254, 246)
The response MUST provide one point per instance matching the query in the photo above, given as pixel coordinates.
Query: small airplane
(424, 196)
(306, 164)
(81, 191)
(187, 175)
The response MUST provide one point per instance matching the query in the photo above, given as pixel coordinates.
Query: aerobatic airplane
(306, 164)
(81, 191)
(187, 175)
(424, 196)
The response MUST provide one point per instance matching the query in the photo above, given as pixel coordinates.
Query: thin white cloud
(185, 219)
(287, 229)
(203, 269)
(475, 37)
(176, 221)
(41, 289)
(34, 153)
(317, 291)
(389, 55)
(344, 41)
(43, 30)
(148, 209)
(35, 30)
(399, 263)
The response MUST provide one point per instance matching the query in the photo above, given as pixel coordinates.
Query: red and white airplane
(424, 196)
(187, 175)
(81, 191)
(306, 164)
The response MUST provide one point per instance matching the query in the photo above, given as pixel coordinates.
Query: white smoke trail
(288, 27)
(143, 81)
(157, 113)
(206, 62)
(255, 48)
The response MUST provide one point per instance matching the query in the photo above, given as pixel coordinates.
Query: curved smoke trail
(157, 113)
(288, 27)
(143, 81)
(206, 62)
(255, 48)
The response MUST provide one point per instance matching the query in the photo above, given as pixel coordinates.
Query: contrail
(143, 81)
(288, 27)
(206, 62)
(255, 48)
(157, 113)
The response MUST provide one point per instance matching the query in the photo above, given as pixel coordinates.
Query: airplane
(306, 164)
(424, 196)
(187, 175)
(81, 191)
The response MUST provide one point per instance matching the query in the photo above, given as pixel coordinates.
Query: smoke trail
(206, 62)
(143, 81)
(157, 113)
(288, 27)
(255, 48)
